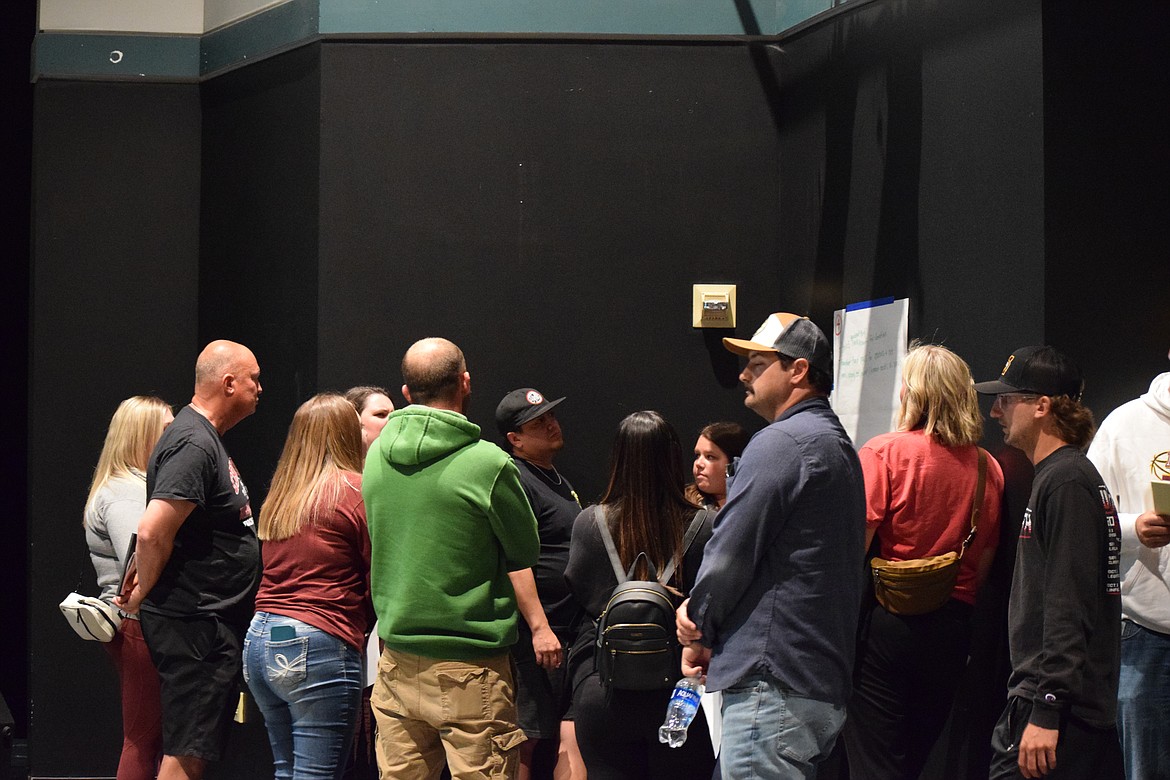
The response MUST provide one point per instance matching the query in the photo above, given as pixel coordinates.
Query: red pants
(141, 711)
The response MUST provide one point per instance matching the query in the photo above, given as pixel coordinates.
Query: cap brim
(538, 411)
(743, 346)
(994, 387)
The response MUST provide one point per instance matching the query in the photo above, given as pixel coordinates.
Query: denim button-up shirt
(780, 585)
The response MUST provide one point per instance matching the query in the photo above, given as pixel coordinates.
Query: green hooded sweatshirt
(448, 520)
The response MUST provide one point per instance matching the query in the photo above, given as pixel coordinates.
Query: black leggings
(907, 672)
(619, 740)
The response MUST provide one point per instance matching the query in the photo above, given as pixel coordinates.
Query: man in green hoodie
(448, 520)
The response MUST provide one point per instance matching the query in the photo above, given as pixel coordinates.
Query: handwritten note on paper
(869, 347)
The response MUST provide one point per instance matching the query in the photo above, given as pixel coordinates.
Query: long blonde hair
(939, 397)
(135, 428)
(324, 440)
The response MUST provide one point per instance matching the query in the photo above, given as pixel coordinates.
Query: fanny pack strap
(978, 500)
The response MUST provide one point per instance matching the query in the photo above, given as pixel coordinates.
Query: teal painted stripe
(273, 30)
(113, 56)
(186, 57)
(586, 17)
(790, 13)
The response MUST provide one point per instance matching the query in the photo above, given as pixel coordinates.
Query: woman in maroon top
(302, 654)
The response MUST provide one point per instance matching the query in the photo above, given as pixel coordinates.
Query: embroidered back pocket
(286, 661)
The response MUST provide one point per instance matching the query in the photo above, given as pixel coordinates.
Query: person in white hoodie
(1131, 448)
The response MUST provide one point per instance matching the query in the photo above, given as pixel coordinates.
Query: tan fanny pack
(922, 585)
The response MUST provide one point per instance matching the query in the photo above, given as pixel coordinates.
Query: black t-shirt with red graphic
(215, 565)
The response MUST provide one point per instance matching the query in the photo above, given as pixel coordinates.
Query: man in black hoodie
(1065, 610)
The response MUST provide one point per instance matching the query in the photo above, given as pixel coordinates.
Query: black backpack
(637, 649)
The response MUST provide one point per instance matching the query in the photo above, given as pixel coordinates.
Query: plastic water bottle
(684, 703)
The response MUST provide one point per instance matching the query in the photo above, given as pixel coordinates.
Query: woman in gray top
(117, 498)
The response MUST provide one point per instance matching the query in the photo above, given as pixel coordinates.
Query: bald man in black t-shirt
(198, 561)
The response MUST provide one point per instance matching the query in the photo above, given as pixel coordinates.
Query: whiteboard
(869, 348)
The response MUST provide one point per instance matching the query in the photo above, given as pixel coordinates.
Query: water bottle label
(686, 697)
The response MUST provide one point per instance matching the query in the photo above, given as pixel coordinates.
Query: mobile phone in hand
(130, 573)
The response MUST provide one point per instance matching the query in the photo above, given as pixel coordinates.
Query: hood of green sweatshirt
(417, 435)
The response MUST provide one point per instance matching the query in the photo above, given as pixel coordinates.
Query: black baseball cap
(521, 406)
(790, 335)
(1041, 370)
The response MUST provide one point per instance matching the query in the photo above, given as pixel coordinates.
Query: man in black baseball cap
(1036, 371)
(531, 431)
(521, 406)
(1064, 616)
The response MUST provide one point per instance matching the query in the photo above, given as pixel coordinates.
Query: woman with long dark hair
(302, 653)
(645, 510)
(921, 483)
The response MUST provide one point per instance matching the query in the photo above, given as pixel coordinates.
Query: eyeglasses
(1008, 399)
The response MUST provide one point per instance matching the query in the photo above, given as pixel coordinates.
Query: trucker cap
(790, 335)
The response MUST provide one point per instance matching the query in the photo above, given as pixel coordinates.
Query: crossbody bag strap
(607, 540)
(692, 532)
(978, 500)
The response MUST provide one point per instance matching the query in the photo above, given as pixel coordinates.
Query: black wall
(258, 240)
(114, 314)
(911, 165)
(17, 27)
(1107, 164)
(547, 205)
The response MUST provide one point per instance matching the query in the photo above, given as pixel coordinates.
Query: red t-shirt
(918, 495)
(321, 575)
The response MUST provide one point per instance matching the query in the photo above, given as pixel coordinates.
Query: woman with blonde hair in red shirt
(921, 483)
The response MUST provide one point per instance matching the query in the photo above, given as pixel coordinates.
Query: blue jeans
(309, 689)
(772, 733)
(1143, 701)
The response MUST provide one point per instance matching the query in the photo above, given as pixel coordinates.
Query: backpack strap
(667, 571)
(696, 524)
(607, 538)
(692, 532)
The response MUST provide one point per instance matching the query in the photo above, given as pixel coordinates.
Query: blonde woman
(920, 484)
(117, 498)
(302, 653)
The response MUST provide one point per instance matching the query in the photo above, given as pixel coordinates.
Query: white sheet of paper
(869, 348)
(712, 704)
(371, 669)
